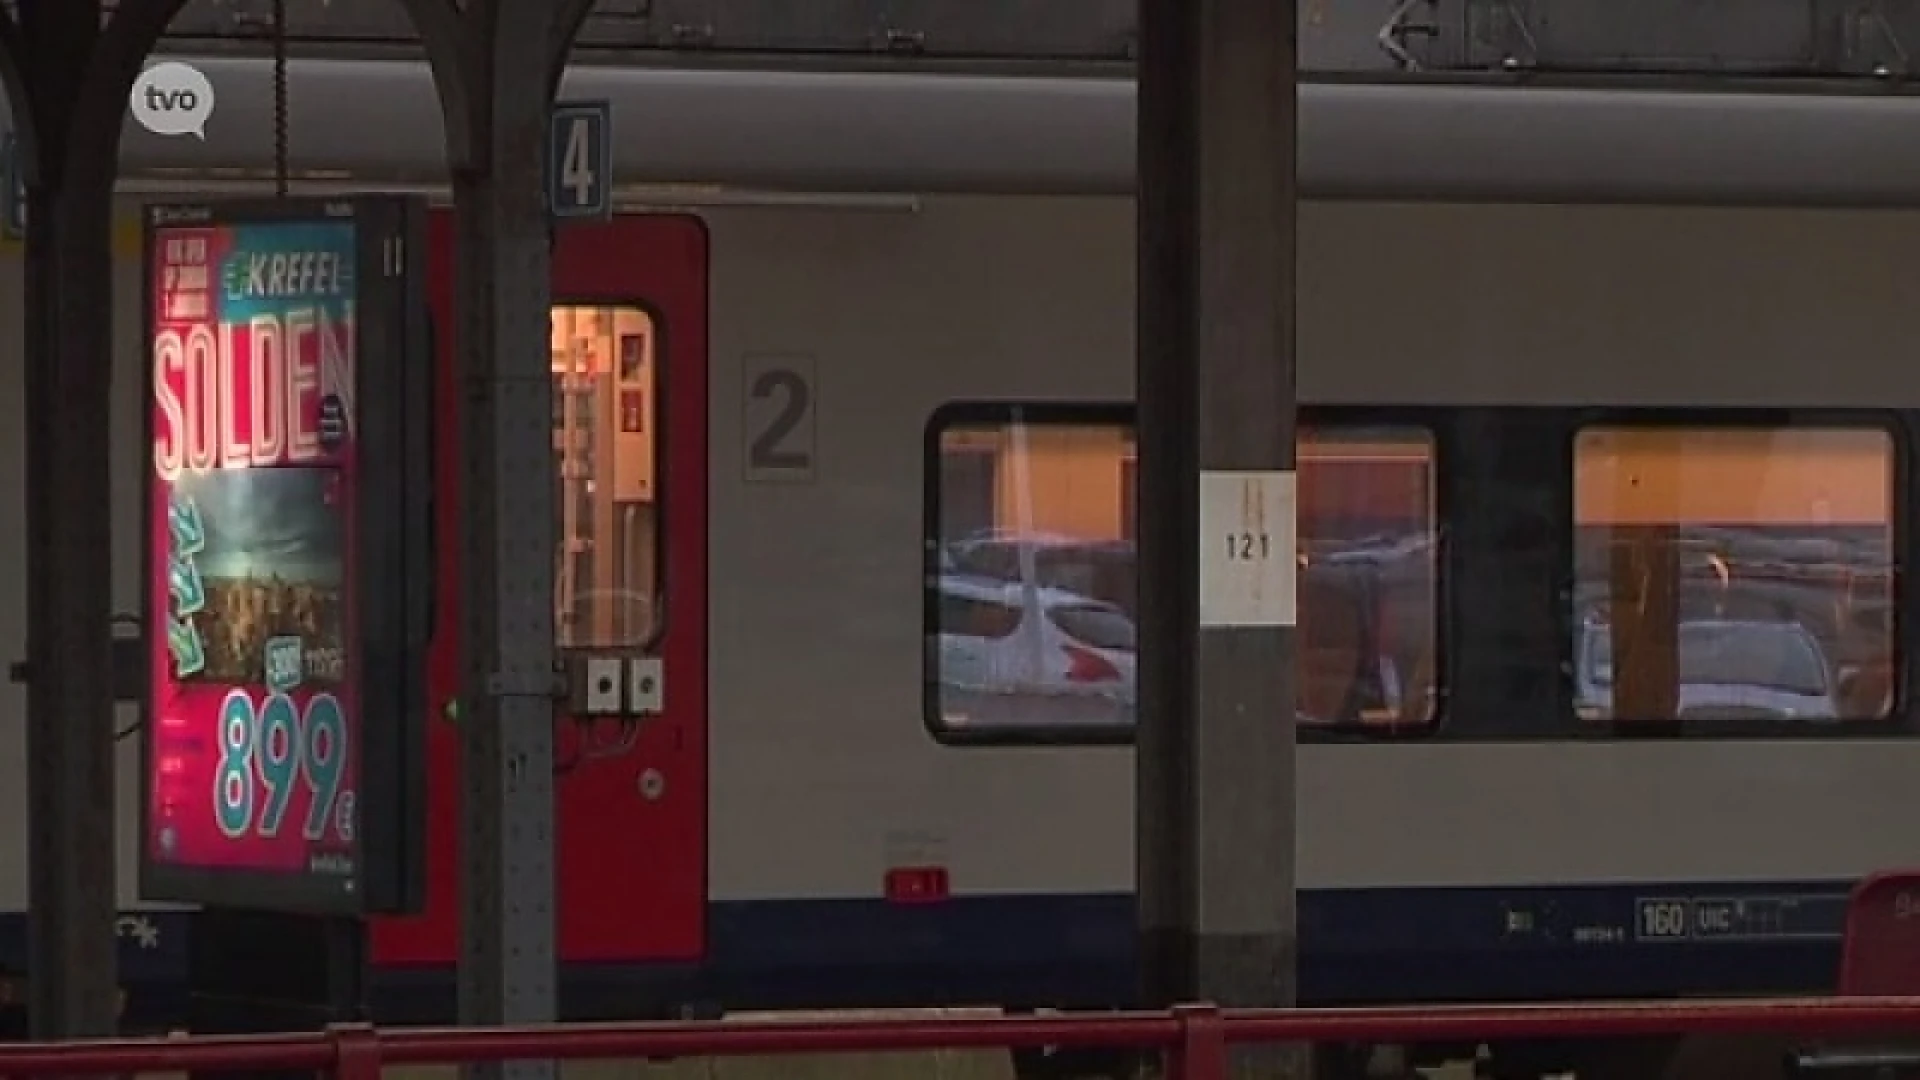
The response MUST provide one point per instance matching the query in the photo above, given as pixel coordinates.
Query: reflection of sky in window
(266, 522)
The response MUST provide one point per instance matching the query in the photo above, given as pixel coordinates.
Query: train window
(1031, 597)
(1731, 576)
(607, 591)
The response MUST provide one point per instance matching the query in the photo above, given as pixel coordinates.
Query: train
(1607, 436)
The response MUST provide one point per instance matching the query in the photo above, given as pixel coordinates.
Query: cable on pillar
(280, 98)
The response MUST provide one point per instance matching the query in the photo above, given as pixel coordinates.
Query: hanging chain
(280, 97)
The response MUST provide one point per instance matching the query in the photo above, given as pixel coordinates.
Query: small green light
(450, 712)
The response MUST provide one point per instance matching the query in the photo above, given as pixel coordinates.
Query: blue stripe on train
(1375, 945)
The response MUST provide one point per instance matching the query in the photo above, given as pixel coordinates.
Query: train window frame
(1123, 415)
(659, 417)
(1892, 425)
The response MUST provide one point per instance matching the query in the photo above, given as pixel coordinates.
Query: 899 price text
(265, 752)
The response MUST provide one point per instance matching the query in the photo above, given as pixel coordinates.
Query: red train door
(630, 446)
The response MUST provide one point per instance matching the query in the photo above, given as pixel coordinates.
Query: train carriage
(1607, 435)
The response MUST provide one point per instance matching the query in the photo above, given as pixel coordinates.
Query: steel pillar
(68, 77)
(497, 65)
(72, 899)
(1216, 390)
(508, 963)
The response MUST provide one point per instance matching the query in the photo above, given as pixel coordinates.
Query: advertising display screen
(280, 559)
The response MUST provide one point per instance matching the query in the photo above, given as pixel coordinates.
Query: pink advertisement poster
(254, 751)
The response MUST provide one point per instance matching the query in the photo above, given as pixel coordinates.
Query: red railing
(1194, 1038)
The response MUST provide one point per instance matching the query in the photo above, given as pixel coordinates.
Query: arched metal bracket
(464, 42)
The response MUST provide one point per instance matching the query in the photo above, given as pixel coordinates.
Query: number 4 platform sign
(580, 161)
(288, 555)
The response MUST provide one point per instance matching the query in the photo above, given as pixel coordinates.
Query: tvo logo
(172, 98)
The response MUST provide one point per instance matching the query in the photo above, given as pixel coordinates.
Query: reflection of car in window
(1000, 637)
(1366, 627)
(1098, 625)
(1100, 569)
(1728, 669)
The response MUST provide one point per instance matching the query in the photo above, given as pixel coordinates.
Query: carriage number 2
(278, 746)
(769, 449)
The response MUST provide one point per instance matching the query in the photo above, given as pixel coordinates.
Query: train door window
(606, 442)
(1055, 563)
(1731, 577)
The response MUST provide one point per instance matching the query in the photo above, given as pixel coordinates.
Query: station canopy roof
(1555, 100)
(1706, 38)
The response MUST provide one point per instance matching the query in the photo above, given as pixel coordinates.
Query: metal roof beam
(1694, 37)
(1335, 35)
(1064, 29)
